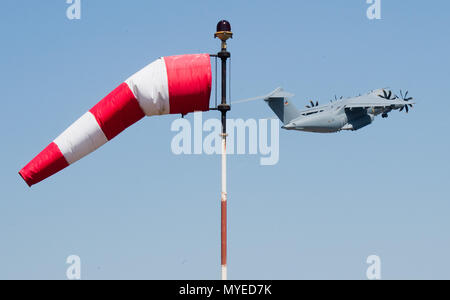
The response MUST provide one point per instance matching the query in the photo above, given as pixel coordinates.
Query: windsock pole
(224, 33)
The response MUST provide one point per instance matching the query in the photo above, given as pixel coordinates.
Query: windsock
(170, 85)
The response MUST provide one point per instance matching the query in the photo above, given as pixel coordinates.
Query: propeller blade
(401, 109)
(407, 109)
(307, 106)
(410, 105)
(409, 99)
(385, 94)
(406, 95)
(389, 95)
(317, 103)
(401, 94)
(312, 103)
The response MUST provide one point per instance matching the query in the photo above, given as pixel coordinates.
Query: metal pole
(224, 210)
(224, 33)
(224, 107)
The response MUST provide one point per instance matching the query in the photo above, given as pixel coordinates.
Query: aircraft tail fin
(278, 102)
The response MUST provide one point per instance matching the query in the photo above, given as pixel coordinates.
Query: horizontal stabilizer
(278, 93)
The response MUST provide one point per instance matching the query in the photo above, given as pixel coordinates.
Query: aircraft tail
(285, 111)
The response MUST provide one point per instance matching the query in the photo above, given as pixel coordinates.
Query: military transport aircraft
(341, 114)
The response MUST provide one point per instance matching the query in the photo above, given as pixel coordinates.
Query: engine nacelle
(359, 122)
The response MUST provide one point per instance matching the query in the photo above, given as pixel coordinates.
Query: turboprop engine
(359, 123)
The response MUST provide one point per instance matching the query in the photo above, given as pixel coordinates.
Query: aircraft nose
(289, 126)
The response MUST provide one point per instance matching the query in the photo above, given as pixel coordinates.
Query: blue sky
(133, 210)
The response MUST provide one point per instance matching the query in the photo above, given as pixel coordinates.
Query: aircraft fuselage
(334, 117)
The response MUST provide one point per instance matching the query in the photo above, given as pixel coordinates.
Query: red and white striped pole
(224, 208)
(224, 33)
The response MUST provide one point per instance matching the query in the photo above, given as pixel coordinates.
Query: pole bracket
(223, 107)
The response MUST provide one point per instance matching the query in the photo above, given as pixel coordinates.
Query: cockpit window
(310, 113)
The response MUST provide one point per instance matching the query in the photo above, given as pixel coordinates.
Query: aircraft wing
(370, 101)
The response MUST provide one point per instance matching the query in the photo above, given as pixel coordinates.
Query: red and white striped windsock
(170, 85)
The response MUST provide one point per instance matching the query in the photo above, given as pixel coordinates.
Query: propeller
(387, 95)
(336, 98)
(312, 104)
(406, 98)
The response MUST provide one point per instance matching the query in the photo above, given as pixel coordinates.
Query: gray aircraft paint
(345, 114)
